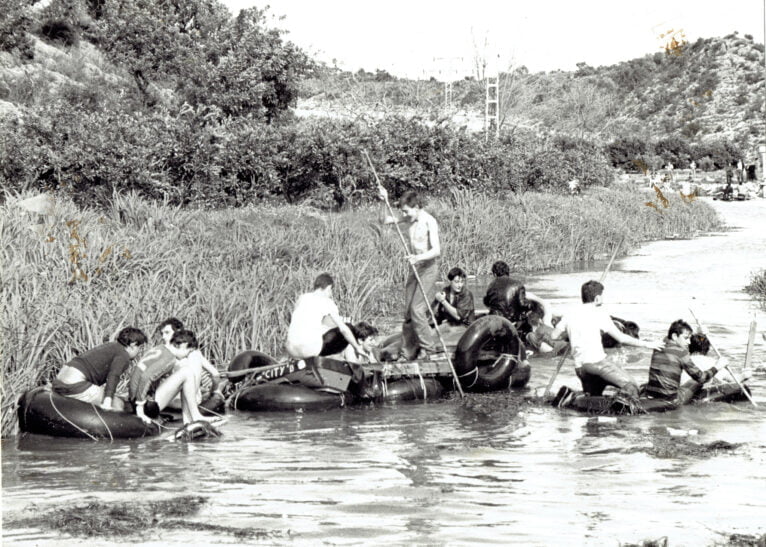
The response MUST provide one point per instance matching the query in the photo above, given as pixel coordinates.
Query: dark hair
(678, 327)
(173, 322)
(131, 335)
(364, 330)
(500, 269)
(699, 343)
(455, 272)
(534, 316)
(323, 281)
(411, 198)
(590, 290)
(184, 336)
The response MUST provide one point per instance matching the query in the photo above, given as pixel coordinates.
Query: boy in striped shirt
(668, 364)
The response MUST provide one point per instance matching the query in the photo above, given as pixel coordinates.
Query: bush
(60, 31)
(14, 26)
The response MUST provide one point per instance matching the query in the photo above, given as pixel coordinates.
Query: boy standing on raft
(423, 235)
(92, 377)
(316, 328)
(584, 326)
(668, 364)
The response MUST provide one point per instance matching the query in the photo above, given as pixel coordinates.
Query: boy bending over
(584, 326)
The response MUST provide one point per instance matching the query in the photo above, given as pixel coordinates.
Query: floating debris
(131, 519)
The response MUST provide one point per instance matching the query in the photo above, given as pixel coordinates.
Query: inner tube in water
(247, 360)
(495, 335)
(273, 396)
(618, 405)
(412, 389)
(44, 412)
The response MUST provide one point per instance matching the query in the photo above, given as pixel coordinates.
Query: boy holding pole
(425, 248)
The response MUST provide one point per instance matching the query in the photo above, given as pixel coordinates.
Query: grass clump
(131, 519)
(232, 275)
(757, 287)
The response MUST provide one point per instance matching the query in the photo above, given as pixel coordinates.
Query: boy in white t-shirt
(584, 326)
(316, 313)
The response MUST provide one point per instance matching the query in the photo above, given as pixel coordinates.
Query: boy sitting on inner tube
(154, 373)
(509, 298)
(454, 304)
(203, 370)
(668, 364)
(92, 377)
(584, 326)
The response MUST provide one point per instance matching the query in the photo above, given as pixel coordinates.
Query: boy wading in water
(584, 326)
(424, 246)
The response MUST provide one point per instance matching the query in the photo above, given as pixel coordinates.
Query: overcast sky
(405, 37)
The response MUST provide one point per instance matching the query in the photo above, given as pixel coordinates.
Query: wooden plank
(750, 342)
(416, 368)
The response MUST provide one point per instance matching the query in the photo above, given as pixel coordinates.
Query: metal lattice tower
(492, 106)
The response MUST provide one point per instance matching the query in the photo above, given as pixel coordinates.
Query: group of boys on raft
(176, 367)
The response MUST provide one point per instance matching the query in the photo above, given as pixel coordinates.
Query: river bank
(232, 275)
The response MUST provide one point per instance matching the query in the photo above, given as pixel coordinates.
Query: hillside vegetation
(701, 101)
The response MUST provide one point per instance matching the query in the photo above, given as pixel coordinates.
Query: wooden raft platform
(415, 369)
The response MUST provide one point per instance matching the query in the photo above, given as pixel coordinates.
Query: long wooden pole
(547, 391)
(417, 277)
(718, 353)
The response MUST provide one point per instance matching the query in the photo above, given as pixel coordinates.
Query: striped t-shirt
(666, 368)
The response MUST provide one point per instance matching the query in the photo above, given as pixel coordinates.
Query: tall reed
(233, 275)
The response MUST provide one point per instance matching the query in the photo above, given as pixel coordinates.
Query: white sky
(404, 37)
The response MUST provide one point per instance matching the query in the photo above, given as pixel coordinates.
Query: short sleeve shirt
(584, 325)
(304, 336)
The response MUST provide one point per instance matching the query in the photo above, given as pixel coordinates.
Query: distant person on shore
(92, 376)
(693, 167)
(316, 327)
(425, 248)
(454, 304)
(156, 377)
(729, 174)
(740, 172)
(671, 175)
(669, 362)
(584, 326)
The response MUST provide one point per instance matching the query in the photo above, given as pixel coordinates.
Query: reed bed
(233, 275)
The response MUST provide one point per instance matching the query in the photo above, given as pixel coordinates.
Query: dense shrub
(15, 23)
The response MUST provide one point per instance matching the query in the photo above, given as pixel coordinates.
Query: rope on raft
(50, 396)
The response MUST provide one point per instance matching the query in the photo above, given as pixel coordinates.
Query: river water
(488, 470)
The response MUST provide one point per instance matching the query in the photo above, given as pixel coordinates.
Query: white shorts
(93, 395)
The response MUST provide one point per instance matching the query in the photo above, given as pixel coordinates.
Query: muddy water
(489, 470)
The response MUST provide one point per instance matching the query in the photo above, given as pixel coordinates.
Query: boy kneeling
(668, 364)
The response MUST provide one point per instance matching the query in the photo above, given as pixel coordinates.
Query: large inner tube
(272, 396)
(488, 354)
(44, 412)
(249, 359)
(413, 389)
